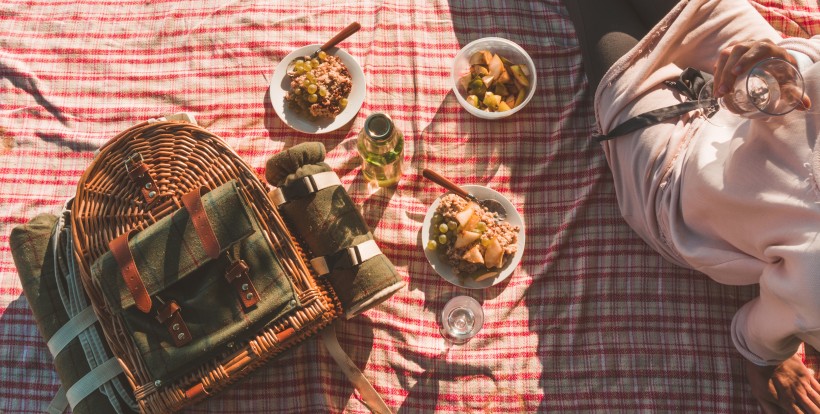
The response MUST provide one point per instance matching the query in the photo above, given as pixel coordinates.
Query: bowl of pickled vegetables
(493, 77)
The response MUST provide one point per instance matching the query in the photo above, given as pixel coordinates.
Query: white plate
(445, 270)
(280, 83)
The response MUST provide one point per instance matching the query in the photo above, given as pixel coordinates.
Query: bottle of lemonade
(381, 146)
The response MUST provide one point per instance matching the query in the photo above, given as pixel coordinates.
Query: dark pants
(607, 29)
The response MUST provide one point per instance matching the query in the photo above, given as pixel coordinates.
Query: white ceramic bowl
(446, 271)
(502, 47)
(280, 84)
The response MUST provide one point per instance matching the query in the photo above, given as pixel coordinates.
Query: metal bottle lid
(378, 126)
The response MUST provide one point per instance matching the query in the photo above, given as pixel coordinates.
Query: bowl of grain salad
(317, 94)
(470, 246)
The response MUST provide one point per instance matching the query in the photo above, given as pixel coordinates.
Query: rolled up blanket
(328, 222)
(42, 254)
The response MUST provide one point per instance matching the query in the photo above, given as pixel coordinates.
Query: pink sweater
(738, 203)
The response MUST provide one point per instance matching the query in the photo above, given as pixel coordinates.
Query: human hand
(786, 388)
(740, 57)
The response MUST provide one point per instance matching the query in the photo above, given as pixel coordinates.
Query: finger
(721, 63)
(786, 395)
(806, 106)
(758, 51)
(808, 402)
(728, 75)
(813, 391)
(793, 97)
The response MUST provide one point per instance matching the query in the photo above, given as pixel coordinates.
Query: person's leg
(606, 30)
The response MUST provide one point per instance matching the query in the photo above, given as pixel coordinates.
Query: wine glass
(772, 87)
(461, 319)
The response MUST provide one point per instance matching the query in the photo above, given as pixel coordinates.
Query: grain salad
(319, 86)
(475, 242)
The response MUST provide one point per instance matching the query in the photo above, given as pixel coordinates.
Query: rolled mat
(328, 221)
(41, 253)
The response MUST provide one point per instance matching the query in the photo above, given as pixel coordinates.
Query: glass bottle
(381, 146)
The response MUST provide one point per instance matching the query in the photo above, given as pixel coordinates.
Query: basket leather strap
(193, 203)
(167, 314)
(130, 274)
(239, 278)
(140, 174)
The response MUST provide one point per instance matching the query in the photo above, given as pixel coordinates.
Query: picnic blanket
(592, 319)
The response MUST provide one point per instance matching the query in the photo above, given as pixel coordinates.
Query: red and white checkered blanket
(592, 320)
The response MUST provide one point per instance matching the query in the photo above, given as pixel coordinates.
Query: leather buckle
(140, 174)
(169, 315)
(239, 278)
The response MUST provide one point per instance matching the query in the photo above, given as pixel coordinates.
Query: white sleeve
(806, 51)
(768, 329)
(803, 60)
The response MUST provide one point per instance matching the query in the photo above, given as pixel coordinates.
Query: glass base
(461, 319)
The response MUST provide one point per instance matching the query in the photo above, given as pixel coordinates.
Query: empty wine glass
(772, 87)
(461, 319)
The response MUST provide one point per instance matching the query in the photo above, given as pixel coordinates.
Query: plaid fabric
(592, 320)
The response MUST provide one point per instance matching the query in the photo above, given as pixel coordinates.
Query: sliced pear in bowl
(474, 255)
(466, 238)
(494, 255)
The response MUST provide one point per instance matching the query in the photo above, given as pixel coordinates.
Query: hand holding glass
(772, 87)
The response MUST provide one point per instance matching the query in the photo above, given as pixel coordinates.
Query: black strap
(689, 84)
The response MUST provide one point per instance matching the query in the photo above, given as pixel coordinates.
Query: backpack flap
(195, 280)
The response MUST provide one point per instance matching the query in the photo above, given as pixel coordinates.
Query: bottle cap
(378, 126)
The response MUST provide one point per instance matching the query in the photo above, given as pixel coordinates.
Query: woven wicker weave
(183, 157)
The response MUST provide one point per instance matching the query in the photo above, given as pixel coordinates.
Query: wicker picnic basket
(137, 179)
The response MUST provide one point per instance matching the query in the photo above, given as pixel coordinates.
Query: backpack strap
(304, 187)
(347, 257)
